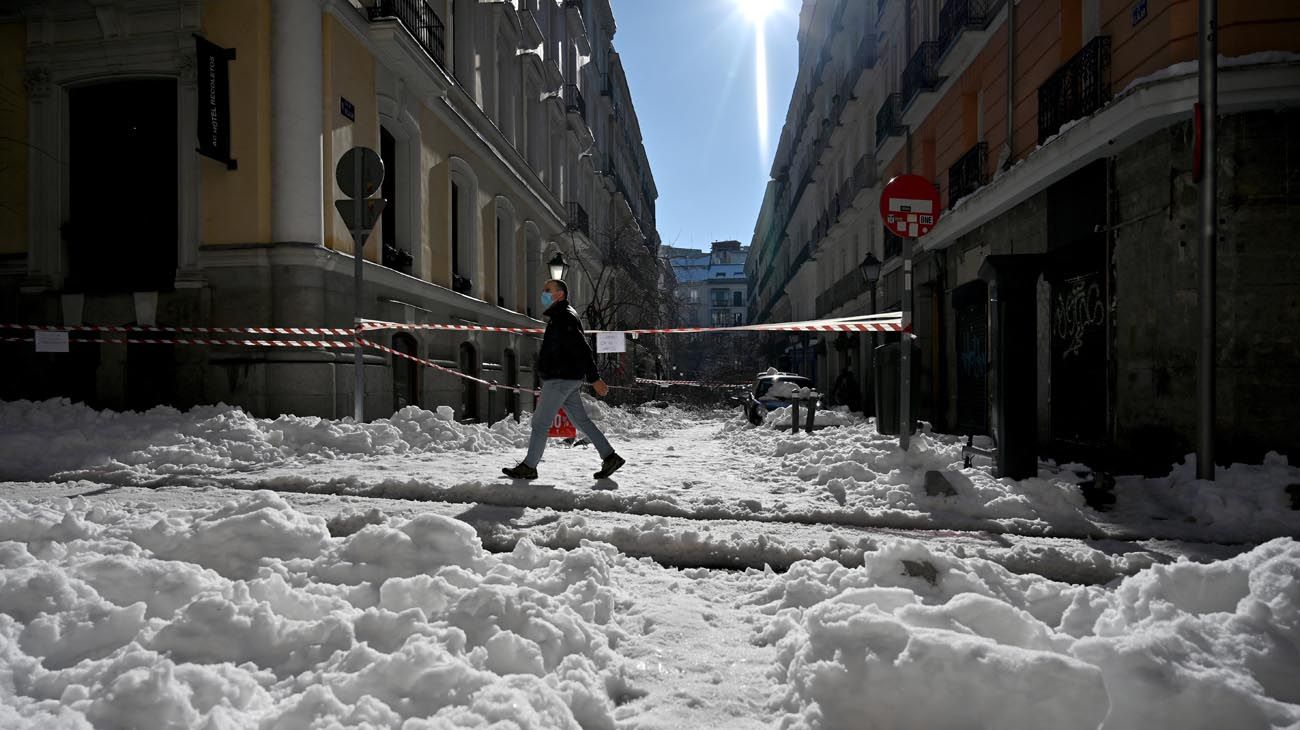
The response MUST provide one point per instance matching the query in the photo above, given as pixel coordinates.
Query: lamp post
(558, 266)
(870, 270)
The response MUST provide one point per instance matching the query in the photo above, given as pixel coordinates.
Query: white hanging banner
(47, 341)
(611, 342)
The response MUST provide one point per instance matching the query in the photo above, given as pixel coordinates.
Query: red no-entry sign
(909, 206)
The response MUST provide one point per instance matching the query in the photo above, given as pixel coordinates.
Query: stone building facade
(499, 123)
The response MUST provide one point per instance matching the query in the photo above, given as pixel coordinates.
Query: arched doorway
(469, 389)
(406, 373)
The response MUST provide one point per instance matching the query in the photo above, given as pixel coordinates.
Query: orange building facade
(1087, 195)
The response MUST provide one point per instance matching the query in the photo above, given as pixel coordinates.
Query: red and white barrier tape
(436, 366)
(314, 331)
(702, 383)
(893, 324)
(337, 344)
(369, 325)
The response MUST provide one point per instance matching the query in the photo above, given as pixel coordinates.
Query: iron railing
(893, 245)
(573, 101)
(577, 218)
(922, 72)
(968, 173)
(959, 15)
(1077, 89)
(849, 287)
(864, 173)
(889, 120)
(420, 20)
(865, 58)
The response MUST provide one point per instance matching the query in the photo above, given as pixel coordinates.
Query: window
(466, 250)
(735, 299)
(455, 228)
(718, 297)
(395, 254)
(695, 296)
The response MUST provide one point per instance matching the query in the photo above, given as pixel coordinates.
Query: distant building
(713, 292)
(711, 285)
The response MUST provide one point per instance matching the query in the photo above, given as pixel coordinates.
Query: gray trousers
(566, 394)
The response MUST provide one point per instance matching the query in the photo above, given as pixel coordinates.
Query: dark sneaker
(522, 471)
(609, 466)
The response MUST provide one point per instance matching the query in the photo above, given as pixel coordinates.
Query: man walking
(564, 363)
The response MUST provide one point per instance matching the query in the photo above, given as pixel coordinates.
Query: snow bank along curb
(252, 614)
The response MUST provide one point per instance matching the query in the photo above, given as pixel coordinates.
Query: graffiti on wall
(1078, 307)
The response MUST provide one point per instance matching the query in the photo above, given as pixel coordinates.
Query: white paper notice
(611, 342)
(47, 341)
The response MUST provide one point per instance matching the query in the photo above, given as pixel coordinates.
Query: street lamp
(870, 269)
(558, 266)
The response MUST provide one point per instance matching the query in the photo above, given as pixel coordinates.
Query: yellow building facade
(110, 216)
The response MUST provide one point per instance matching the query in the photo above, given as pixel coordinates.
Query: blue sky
(691, 69)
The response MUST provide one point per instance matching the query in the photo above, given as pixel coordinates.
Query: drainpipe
(1208, 110)
(1008, 152)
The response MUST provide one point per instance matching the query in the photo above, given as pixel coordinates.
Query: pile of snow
(253, 615)
(788, 389)
(43, 439)
(837, 416)
(920, 639)
(60, 439)
(862, 471)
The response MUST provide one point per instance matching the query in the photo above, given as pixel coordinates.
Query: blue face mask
(546, 300)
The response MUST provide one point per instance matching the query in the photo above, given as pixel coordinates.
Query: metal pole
(1208, 232)
(359, 386)
(905, 352)
(358, 249)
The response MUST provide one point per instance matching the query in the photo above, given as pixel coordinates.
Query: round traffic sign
(360, 172)
(909, 206)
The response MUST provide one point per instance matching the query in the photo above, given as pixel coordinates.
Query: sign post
(359, 174)
(909, 207)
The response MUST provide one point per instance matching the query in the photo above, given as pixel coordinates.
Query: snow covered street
(210, 569)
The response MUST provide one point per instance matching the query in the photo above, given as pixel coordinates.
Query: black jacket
(565, 354)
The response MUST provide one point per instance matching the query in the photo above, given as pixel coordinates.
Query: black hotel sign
(214, 100)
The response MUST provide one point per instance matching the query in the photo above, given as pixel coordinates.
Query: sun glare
(757, 10)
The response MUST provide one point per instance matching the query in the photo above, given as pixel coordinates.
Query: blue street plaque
(1139, 11)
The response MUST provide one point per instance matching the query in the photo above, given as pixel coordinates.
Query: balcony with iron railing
(889, 120)
(968, 173)
(849, 287)
(576, 218)
(419, 19)
(1077, 89)
(957, 16)
(573, 101)
(893, 245)
(922, 71)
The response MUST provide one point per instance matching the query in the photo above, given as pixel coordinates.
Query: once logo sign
(562, 427)
(909, 206)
